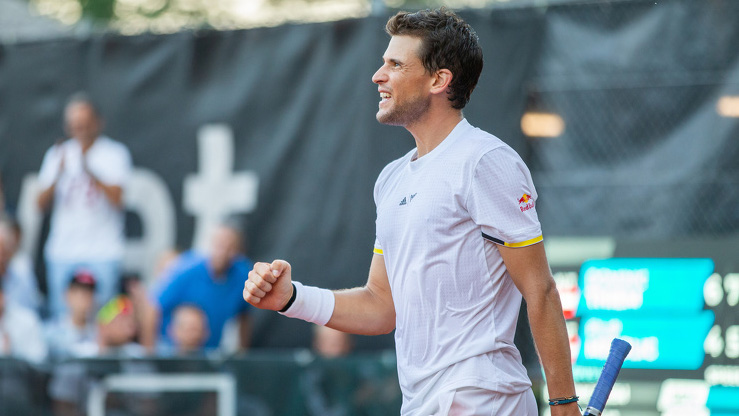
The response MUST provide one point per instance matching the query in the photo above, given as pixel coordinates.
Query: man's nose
(379, 76)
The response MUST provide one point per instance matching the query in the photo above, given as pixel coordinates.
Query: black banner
(278, 124)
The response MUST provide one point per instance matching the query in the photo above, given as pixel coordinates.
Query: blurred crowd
(87, 306)
(90, 306)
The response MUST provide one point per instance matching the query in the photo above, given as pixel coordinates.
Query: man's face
(120, 331)
(225, 246)
(81, 300)
(82, 123)
(5, 249)
(190, 329)
(403, 83)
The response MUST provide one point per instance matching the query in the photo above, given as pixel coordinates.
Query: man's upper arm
(529, 269)
(116, 168)
(49, 167)
(378, 282)
(171, 293)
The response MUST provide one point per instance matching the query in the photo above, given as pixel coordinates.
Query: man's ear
(441, 81)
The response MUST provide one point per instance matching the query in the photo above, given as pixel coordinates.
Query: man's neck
(85, 145)
(431, 129)
(217, 274)
(79, 321)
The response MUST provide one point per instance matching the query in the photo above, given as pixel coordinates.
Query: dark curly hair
(447, 42)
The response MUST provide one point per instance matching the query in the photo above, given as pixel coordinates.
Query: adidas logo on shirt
(406, 201)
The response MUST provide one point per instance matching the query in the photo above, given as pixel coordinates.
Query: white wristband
(311, 304)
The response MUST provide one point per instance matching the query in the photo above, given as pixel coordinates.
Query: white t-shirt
(85, 226)
(439, 220)
(20, 284)
(66, 340)
(23, 329)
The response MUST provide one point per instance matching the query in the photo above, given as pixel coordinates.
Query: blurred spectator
(336, 384)
(166, 261)
(132, 287)
(16, 268)
(74, 335)
(188, 330)
(21, 334)
(213, 282)
(117, 329)
(330, 390)
(5, 250)
(116, 332)
(330, 343)
(84, 177)
(164, 269)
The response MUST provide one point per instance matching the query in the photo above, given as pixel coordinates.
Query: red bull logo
(525, 203)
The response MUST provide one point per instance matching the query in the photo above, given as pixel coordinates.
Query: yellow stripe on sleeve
(525, 243)
(377, 251)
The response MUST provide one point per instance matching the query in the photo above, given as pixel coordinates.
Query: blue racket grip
(619, 350)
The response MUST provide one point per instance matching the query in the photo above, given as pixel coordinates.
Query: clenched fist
(269, 286)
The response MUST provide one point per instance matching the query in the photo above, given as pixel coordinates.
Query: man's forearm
(151, 319)
(45, 197)
(113, 193)
(367, 310)
(550, 335)
(362, 311)
(245, 331)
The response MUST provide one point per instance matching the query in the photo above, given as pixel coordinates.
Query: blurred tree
(98, 10)
(135, 16)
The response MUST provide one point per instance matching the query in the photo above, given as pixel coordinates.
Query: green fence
(259, 384)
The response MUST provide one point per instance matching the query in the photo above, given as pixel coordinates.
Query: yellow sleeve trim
(377, 251)
(525, 243)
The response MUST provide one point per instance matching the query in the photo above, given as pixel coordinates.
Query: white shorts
(474, 401)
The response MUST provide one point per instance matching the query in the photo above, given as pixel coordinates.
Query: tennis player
(458, 243)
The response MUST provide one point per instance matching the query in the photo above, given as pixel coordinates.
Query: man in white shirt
(458, 244)
(21, 333)
(85, 178)
(16, 268)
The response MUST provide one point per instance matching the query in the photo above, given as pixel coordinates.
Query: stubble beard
(406, 113)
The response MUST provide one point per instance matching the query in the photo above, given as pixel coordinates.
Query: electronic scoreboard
(681, 316)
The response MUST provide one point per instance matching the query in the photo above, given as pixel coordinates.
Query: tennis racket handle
(619, 350)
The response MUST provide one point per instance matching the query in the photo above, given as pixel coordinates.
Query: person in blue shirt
(211, 281)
